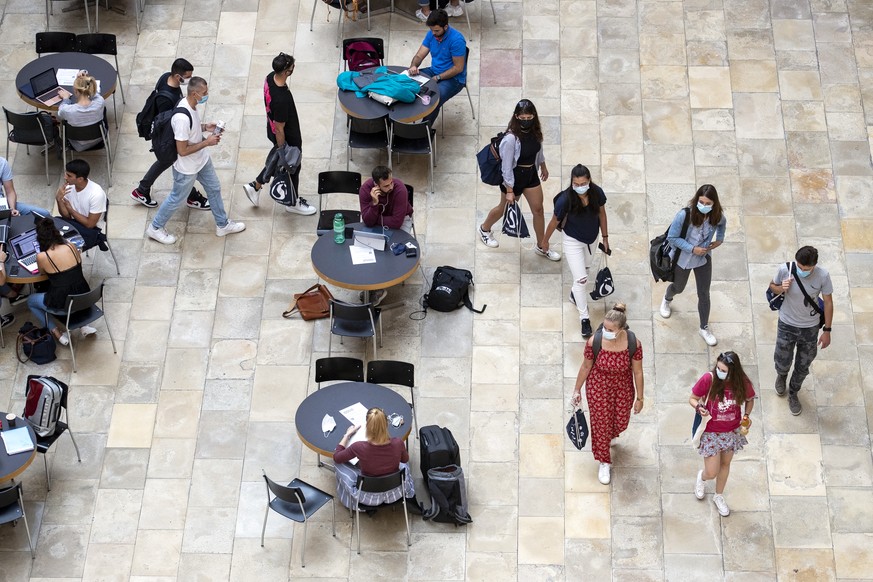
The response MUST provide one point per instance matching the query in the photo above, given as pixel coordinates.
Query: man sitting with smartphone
(82, 203)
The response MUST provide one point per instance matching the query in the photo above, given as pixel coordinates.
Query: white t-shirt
(190, 132)
(90, 200)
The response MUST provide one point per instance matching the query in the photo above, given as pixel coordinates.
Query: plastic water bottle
(339, 229)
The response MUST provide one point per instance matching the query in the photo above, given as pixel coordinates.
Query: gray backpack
(448, 496)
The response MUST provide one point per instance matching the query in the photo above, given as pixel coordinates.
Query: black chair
(298, 501)
(410, 191)
(466, 88)
(394, 372)
(337, 368)
(381, 485)
(12, 509)
(415, 139)
(30, 129)
(102, 44)
(88, 132)
(55, 42)
(354, 320)
(82, 310)
(43, 444)
(337, 182)
(377, 43)
(368, 134)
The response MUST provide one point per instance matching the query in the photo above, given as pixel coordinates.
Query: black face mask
(526, 123)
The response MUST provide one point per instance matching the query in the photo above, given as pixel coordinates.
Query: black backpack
(163, 138)
(661, 253)
(146, 117)
(488, 159)
(450, 289)
(448, 496)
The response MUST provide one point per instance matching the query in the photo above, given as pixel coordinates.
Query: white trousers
(578, 257)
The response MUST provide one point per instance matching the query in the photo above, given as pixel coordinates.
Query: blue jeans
(36, 304)
(23, 208)
(448, 88)
(182, 184)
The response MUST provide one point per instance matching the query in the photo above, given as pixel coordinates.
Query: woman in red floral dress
(613, 386)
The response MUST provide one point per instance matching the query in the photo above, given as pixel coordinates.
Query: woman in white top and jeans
(705, 220)
(81, 108)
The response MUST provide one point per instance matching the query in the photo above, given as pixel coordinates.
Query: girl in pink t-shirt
(723, 395)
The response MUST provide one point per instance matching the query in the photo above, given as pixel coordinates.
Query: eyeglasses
(727, 357)
(523, 104)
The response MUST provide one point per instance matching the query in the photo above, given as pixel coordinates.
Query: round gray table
(96, 67)
(333, 263)
(331, 399)
(11, 466)
(366, 108)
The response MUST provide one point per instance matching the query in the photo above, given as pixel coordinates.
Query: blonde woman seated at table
(82, 108)
(378, 455)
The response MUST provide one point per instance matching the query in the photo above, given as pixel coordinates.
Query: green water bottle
(339, 229)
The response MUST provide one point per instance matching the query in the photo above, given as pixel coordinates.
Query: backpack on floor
(146, 117)
(448, 496)
(42, 407)
(662, 255)
(450, 290)
(163, 138)
(488, 159)
(361, 55)
(438, 449)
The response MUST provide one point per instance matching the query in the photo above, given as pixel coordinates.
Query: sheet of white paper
(66, 76)
(362, 255)
(422, 79)
(17, 440)
(357, 415)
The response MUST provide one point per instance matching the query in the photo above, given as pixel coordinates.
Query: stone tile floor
(769, 101)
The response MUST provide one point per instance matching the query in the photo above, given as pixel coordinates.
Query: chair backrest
(377, 43)
(350, 369)
(391, 372)
(55, 42)
(98, 43)
(351, 311)
(383, 483)
(85, 300)
(84, 132)
(26, 125)
(409, 191)
(339, 181)
(379, 125)
(65, 390)
(8, 497)
(287, 494)
(411, 130)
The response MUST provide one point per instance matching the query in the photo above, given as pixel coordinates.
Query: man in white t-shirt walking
(193, 164)
(82, 203)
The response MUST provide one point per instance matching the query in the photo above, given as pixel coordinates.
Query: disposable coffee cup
(10, 420)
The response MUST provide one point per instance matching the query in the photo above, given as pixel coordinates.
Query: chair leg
(406, 516)
(303, 551)
(114, 111)
(75, 446)
(494, 14)
(469, 26)
(312, 16)
(120, 84)
(26, 527)
(48, 477)
(358, 528)
(48, 180)
(264, 528)
(472, 111)
(118, 272)
(333, 519)
(72, 351)
(88, 17)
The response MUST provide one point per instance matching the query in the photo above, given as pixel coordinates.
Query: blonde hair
(85, 85)
(377, 426)
(617, 315)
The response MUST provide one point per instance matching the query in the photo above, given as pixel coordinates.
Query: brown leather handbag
(314, 303)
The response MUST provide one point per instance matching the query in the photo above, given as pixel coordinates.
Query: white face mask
(721, 375)
(327, 424)
(581, 189)
(609, 335)
(183, 82)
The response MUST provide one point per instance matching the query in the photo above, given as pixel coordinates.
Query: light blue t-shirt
(5, 172)
(452, 44)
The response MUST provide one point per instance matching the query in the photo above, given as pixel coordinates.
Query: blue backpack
(488, 159)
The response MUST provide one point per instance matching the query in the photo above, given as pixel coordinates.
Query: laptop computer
(45, 88)
(24, 249)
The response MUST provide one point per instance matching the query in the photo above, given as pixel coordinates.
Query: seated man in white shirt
(82, 203)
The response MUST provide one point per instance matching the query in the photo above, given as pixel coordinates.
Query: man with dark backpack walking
(190, 162)
(166, 95)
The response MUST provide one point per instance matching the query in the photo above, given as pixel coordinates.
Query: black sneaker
(794, 404)
(6, 320)
(20, 298)
(144, 199)
(587, 332)
(781, 389)
(197, 200)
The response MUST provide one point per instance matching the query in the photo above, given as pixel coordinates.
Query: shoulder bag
(698, 426)
(817, 304)
(314, 303)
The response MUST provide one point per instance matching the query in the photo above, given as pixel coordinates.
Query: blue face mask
(803, 274)
(721, 375)
(580, 189)
(609, 335)
(703, 208)
(203, 99)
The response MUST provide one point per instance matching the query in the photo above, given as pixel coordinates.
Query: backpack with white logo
(42, 407)
(450, 290)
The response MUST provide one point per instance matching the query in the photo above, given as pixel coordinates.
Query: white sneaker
(160, 234)
(302, 207)
(707, 336)
(230, 228)
(603, 473)
(486, 238)
(87, 330)
(700, 486)
(454, 10)
(721, 505)
(666, 311)
(421, 15)
(64, 340)
(549, 254)
(252, 193)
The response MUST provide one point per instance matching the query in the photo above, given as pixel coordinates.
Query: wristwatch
(827, 329)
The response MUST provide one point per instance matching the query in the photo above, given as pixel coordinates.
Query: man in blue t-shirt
(448, 55)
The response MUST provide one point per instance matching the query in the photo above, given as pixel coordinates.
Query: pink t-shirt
(726, 414)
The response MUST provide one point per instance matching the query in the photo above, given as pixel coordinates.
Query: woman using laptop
(82, 108)
(61, 262)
